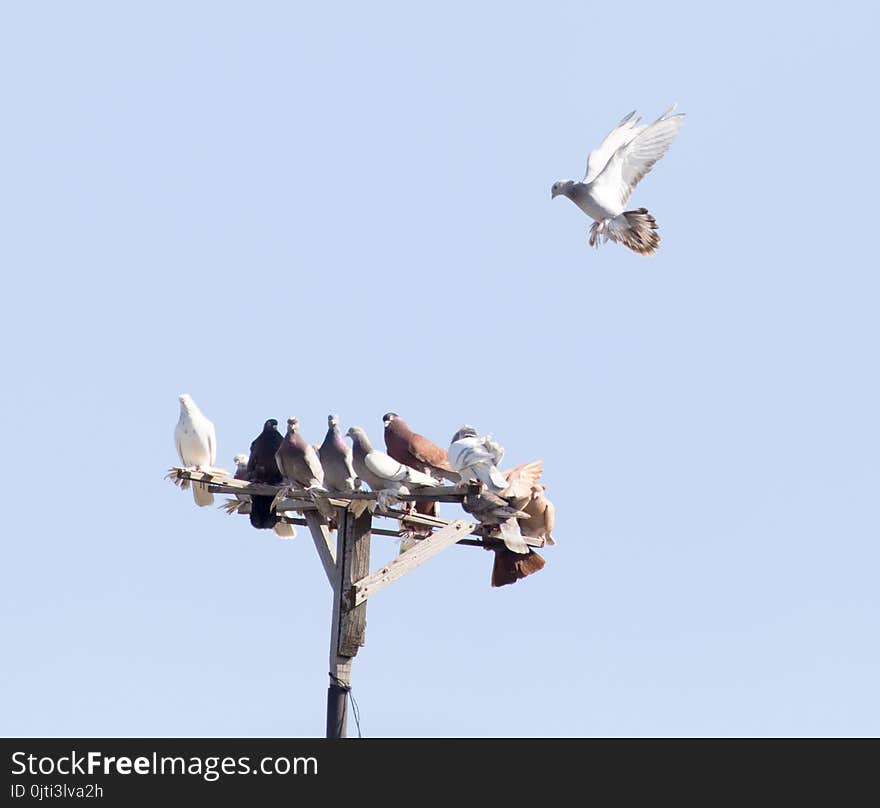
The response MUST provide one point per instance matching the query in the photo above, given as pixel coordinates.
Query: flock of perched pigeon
(511, 503)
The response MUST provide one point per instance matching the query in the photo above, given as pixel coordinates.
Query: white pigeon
(477, 458)
(196, 445)
(613, 171)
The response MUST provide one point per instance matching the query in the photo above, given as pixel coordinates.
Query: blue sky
(301, 209)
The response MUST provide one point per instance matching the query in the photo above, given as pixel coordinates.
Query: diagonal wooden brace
(408, 560)
(323, 544)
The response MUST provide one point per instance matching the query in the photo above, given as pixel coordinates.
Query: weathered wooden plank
(323, 544)
(222, 485)
(436, 521)
(355, 565)
(409, 560)
(306, 504)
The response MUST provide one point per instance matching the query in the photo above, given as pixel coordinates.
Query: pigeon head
(240, 460)
(293, 424)
(270, 425)
(359, 438)
(466, 431)
(332, 420)
(560, 187)
(185, 400)
(389, 417)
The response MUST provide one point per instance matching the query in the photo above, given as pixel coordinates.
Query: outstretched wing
(633, 160)
(521, 479)
(622, 134)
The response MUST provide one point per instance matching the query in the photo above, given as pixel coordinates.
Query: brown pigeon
(525, 506)
(417, 452)
(510, 567)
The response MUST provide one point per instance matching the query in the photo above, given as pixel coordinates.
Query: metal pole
(337, 702)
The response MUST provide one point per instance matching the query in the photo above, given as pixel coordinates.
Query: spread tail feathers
(636, 229)
(511, 567)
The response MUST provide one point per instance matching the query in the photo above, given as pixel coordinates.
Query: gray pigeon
(297, 460)
(379, 470)
(335, 457)
(196, 445)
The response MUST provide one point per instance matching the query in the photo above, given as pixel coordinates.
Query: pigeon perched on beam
(262, 468)
(297, 459)
(613, 171)
(541, 516)
(415, 450)
(335, 457)
(242, 502)
(477, 458)
(196, 444)
(381, 472)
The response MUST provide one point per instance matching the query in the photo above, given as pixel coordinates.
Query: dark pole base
(336, 711)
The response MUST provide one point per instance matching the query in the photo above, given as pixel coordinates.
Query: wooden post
(349, 621)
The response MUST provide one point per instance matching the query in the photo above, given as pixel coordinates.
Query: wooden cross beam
(347, 564)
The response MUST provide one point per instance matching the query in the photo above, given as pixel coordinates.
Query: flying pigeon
(380, 471)
(196, 445)
(262, 468)
(477, 458)
(613, 171)
(297, 460)
(335, 457)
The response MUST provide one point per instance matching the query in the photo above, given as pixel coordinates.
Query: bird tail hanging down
(262, 517)
(511, 567)
(202, 495)
(636, 229)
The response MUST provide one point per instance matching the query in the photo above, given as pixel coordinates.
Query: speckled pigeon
(613, 170)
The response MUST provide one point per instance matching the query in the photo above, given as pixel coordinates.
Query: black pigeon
(262, 468)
